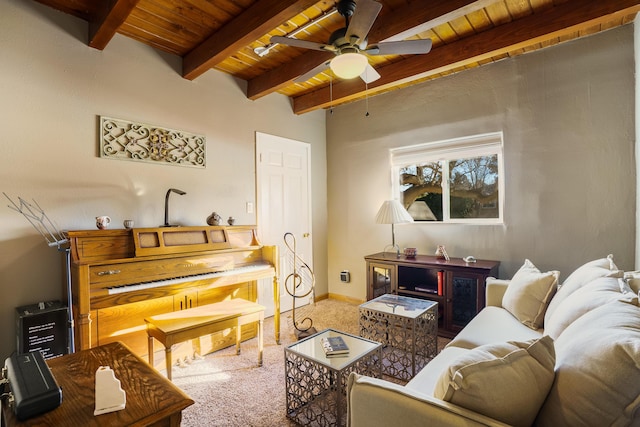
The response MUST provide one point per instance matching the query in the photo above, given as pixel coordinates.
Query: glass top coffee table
(406, 327)
(316, 384)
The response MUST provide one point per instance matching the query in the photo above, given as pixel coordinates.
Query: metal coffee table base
(316, 392)
(409, 343)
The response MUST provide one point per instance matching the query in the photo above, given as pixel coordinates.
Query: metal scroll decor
(299, 284)
(124, 140)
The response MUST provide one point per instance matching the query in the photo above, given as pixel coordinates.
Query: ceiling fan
(350, 46)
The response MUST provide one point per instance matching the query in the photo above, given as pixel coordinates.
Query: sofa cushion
(425, 380)
(584, 274)
(506, 381)
(597, 370)
(374, 402)
(529, 293)
(592, 295)
(493, 325)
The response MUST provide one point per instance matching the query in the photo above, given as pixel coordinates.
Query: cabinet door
(381, 279)
(465, 297)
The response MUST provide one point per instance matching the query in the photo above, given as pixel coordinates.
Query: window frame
(487, 144)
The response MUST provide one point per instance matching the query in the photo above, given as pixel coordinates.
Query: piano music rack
(173, 240)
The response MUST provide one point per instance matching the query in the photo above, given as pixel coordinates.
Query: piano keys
(186, 279)
(118, 277)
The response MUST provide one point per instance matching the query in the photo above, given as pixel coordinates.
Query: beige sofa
(539, 353)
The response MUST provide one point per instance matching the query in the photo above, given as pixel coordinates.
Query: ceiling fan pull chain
(366, 97)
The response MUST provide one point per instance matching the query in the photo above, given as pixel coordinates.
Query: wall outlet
(249, 207)
(345, 276)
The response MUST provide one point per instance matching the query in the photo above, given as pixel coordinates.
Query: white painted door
(284, 206)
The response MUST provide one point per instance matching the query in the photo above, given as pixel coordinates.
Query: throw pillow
(591, 296)
(604, 267)
(506, 381)
(597, 379)
(632, 279)
(529, 293)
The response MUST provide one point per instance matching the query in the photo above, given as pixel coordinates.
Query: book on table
(334, 346)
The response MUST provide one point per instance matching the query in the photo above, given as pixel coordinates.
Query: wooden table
(179, 326)
(151, 398)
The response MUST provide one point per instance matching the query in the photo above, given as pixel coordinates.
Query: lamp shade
(392, 212)
(349, 65)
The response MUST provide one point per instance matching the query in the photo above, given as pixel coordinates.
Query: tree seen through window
(471, 190)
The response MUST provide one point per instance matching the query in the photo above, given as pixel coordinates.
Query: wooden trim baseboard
(343, 298)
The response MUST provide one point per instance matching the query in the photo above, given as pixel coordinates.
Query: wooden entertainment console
(457, 286)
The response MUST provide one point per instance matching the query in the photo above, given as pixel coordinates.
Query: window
(458, 180)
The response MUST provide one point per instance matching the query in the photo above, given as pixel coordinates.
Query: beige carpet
(231, 390)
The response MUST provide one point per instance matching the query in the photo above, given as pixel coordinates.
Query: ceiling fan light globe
(349, 65)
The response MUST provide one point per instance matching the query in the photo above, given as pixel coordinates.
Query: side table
(152, 400)
(316, 385)
(406, 327)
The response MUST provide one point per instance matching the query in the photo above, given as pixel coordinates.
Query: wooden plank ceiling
(228, 35)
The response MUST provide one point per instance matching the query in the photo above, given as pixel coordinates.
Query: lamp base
(396, 249)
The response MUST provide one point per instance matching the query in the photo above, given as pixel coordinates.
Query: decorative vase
(102, 222)
(410, 252)
(214, 219)
(231, 220)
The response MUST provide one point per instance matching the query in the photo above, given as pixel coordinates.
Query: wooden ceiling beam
(560, 20)
(406, 21)
(110, 16)
(262, 17)
(416, 18)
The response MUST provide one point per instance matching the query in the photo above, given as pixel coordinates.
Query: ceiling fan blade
(370, 74)
(315, 70)
(403, 47)
(300, 43)
(362, 20)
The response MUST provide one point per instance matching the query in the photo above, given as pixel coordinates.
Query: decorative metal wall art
(124, 140)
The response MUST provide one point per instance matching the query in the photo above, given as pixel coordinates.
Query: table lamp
(392, 212)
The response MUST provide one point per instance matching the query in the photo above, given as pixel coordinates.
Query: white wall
(53, 88)
(568, 118)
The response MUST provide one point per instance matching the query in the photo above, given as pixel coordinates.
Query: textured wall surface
(53, 90)
(567, 113)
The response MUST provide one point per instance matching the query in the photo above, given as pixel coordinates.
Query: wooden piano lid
(88, 245)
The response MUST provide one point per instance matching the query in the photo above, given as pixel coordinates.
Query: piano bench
(179, 326)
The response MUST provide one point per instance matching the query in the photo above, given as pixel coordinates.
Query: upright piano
(119, 277)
